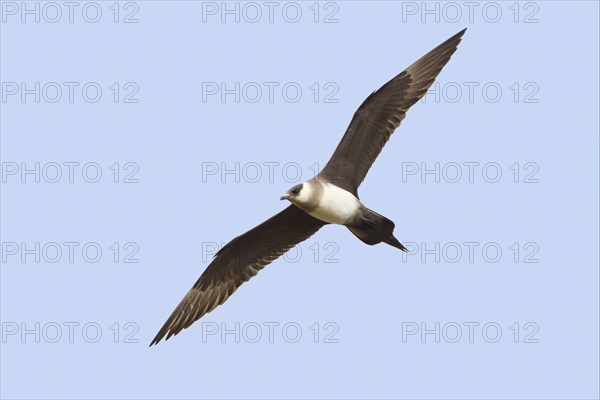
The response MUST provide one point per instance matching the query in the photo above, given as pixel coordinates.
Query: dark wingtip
(160, 335)
(459, 34)
(456, 38)
(154, 341)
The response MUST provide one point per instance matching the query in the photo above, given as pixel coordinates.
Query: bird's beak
(284, 197)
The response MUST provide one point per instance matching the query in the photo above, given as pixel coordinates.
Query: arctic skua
(329, 198)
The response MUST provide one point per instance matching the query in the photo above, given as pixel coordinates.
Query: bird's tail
(375, 228)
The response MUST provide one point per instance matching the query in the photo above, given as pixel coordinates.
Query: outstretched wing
(237, 262)
(380, 114)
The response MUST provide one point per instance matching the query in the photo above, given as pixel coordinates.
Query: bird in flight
(331, 197)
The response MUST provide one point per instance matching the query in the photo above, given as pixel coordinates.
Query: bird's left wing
(238, 261)
(379, 116)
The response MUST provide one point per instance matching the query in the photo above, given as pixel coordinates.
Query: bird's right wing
(379, 116)
(238, 261)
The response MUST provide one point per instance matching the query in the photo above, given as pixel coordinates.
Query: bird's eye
(296, 191)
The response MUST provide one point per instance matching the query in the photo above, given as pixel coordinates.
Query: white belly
(337, 205)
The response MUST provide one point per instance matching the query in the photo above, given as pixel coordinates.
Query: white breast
(337, 205)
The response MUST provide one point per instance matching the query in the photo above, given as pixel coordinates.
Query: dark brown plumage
(238, 261)
(371, 127)
(379, 116)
